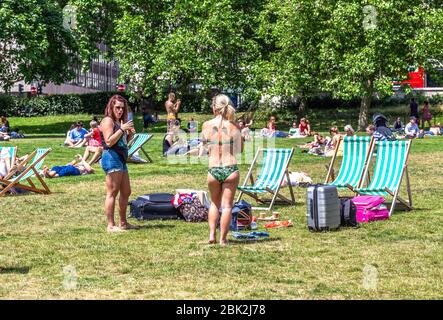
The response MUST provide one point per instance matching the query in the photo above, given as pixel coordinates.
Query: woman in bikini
(224, 140)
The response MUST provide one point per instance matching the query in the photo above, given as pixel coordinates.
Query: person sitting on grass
(4, 136)
(92, 138)
(398, 126)
(245, 132)
(436, 130)
(411, 129)
(68, 134)
(4, 125)
(76, 136)
(294, 131)
(334, 143)
(305, 127)
(94, 141)
(192, 126)
(171, 137)
(349, 130)
(269, 131)
(370, 130)
(71, 169)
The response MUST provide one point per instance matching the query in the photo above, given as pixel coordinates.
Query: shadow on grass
(43, 136)
(155, 226)
(14, 270)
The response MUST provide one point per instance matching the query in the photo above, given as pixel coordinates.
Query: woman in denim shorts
(116, 130)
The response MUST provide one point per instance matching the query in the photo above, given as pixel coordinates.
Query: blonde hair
(223, 106)
(93, 124)
(334, 129)
(349, 128)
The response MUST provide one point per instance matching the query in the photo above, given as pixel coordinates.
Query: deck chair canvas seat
(274, 168)
(134, 145)
(357, 153)
(389, 170)
(23, 180)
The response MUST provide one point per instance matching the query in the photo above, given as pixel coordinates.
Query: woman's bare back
(224, 141)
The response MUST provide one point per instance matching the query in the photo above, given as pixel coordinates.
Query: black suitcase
(153, 206)
(348, 213)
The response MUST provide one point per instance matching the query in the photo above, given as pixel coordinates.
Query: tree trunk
(302, 107)
(366, 100)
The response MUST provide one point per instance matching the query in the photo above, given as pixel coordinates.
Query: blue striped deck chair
(357, 152)
(10, 153)
(273, 170)
(136, 144)
(390, 166)
(23, 179)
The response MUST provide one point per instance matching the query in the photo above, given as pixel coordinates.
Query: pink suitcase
(370, 208)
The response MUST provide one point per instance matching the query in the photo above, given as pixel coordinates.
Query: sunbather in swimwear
(224, 140)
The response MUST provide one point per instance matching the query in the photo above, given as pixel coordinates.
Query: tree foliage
(175, 44)
(350, 48)
(33, 43)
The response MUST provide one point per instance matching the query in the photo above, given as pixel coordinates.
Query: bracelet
(122, 130)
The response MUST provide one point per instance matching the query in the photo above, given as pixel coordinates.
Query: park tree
(350, 48)
(33, 43)
(290, 34)
(173, 44)
(369, 43)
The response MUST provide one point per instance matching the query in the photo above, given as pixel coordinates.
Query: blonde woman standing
(224, 141)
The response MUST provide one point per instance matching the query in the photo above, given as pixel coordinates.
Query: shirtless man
(172, 108)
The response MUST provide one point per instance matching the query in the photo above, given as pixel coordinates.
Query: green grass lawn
(43, 236)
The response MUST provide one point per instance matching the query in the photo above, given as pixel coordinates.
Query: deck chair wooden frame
(402, 171)
(35, 160)
(277, 197)
(139, 146)
(352, 176)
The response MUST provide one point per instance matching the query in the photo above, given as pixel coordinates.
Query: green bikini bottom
(222, 173)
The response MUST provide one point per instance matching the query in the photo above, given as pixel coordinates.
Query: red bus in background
(416, 78)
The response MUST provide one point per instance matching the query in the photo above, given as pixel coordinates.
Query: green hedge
(91, 103)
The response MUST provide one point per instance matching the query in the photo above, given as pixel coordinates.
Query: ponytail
(223, 106)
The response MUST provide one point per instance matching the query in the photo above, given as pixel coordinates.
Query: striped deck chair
(11, 152)
(357, 152)
(274, 168)
(390, 167)
(136, 144)
(9, 182)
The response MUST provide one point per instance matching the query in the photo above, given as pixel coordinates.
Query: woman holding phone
(116, 131)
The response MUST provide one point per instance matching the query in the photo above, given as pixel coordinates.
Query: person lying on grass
(71, 169)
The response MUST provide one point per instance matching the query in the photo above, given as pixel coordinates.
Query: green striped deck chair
(10, 153)
(357, 153)
(273, 170)
(390, 166)
(136, 144)
(23, 179)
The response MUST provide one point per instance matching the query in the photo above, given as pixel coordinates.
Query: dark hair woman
(116, 131)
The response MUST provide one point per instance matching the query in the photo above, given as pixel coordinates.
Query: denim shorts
(111, 162)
